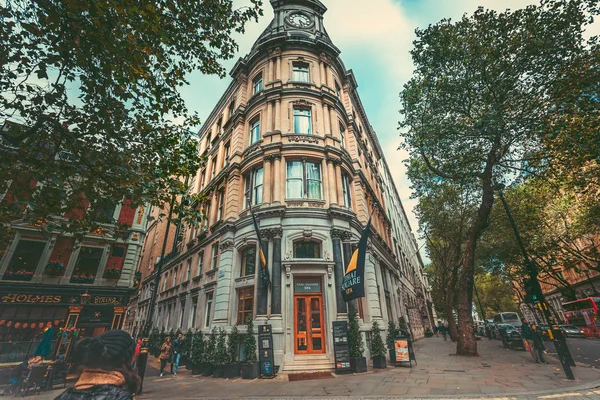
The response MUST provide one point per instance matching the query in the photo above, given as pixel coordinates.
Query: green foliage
(154, 341)
(97, 88)
(377, 346)
(355, 341)
(249, 343)
(496, 294)
(187, 342)
(221, 354)
(233, 345)
(402, 324)
(172, 334)
(428, 332)
(391, 335)
(198, 346)
(210, 348)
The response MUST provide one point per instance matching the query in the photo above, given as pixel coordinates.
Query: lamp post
(555, 334)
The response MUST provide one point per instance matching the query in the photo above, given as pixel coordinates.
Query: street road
(585, 351)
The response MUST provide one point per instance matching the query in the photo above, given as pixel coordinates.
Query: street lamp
(559, 341)
(85, 298)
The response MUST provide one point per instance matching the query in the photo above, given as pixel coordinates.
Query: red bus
(584, 315)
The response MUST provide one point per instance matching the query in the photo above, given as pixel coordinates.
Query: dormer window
(257, 84)
(300, 72)
(307, 249)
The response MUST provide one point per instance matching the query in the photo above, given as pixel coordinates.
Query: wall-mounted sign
(24, 298)
(307, 286)
(29, 298)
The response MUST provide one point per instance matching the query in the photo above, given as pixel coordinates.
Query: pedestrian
(105, 365)
(165, 354)
(436, 330)
(444, 331)
(177, 350)
(488, 332)
(538, 345)
(136, 354)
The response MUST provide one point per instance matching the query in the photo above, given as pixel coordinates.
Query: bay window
(253, 188)
(255, 131)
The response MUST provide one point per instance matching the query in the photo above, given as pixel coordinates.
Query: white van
(511, 318)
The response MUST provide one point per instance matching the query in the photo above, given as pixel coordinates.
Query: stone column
(332, 191)
(277, 179)
(262, 292)
(224, 286)
(327, 129)
(338, 270)
(267, 180)
(279, 69)
(322, 73)
(269, 124)
(277, 124)
(269, 76)
(338, 181)
(325, 181)
(335, 125)
(276, 273)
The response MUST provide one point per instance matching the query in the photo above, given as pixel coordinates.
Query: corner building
(290, 136)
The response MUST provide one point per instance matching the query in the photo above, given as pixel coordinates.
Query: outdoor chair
(57, 375)
(33, 380)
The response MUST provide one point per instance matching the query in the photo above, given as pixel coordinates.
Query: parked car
(571, 331)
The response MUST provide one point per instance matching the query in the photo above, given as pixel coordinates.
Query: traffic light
(533, 291)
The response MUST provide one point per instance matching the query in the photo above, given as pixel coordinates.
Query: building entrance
(309, 333)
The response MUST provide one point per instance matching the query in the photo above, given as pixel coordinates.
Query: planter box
(379, 362)
(196, 369)
(250, 371)
(358, 364)
(207, 370)
(218, 371)
(231, 371)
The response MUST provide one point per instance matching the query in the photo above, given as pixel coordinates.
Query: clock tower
(299, 21)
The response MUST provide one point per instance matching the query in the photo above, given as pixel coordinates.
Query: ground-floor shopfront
(72, 312)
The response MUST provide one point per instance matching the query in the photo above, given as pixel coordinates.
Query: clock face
(299, 20)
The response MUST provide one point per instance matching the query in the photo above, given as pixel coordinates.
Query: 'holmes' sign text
(30, 298)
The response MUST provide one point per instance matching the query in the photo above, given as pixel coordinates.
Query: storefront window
(245, 304)
(248, 261)
(305, 249)
(87, 265)
(25, 260)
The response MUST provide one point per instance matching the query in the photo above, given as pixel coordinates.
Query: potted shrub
(403, 327)
(209, 353)
(250, 367)
(197, 351)
(232, 369)
(389, 341)
(428, 332)
(154, 342)
(377, 347)
(220, 354)
(358, 363)
(187, 348)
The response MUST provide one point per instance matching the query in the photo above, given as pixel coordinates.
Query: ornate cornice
(341, 234)
(270, 233)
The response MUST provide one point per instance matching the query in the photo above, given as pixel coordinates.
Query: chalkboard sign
(341, 347)
(265, 351)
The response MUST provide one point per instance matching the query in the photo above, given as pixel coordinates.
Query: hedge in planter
(187, 348)
(389, 341)
(377, 347)
(154, 342)
(197, 351)
(210, 350)
(221, 356)
(250, 367)
(232, 369)
(428, 333)
(358, 363)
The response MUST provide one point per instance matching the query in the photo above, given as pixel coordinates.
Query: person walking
(105, 364)
(177, 350)
(136, 354)
(165, 354)
(444, 331)
(538, 345)
(436, 330)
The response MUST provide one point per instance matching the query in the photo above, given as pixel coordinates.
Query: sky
(375, 38)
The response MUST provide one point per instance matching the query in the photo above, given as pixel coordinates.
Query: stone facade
(291, 138)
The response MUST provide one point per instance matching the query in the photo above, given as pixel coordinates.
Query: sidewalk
(496, 373)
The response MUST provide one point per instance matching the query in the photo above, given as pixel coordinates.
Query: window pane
(313, 171)
(294, 169)
(302, 121)
(314, 190)
(255, 132)
(307, 250)
(294, 189)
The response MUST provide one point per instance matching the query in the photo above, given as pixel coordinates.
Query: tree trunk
(450, 299)
(466, 344)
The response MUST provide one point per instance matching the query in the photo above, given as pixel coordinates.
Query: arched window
(307, 249)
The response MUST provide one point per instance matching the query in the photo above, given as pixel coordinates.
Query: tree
(377, 346)
(93, 90)
(154, 342)
(233, 345)
(496, 294)
(187, 344)
(221, 354)
(391, 335)
(355, 342)
(485, 91)
(249, 343)
(198, 347)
